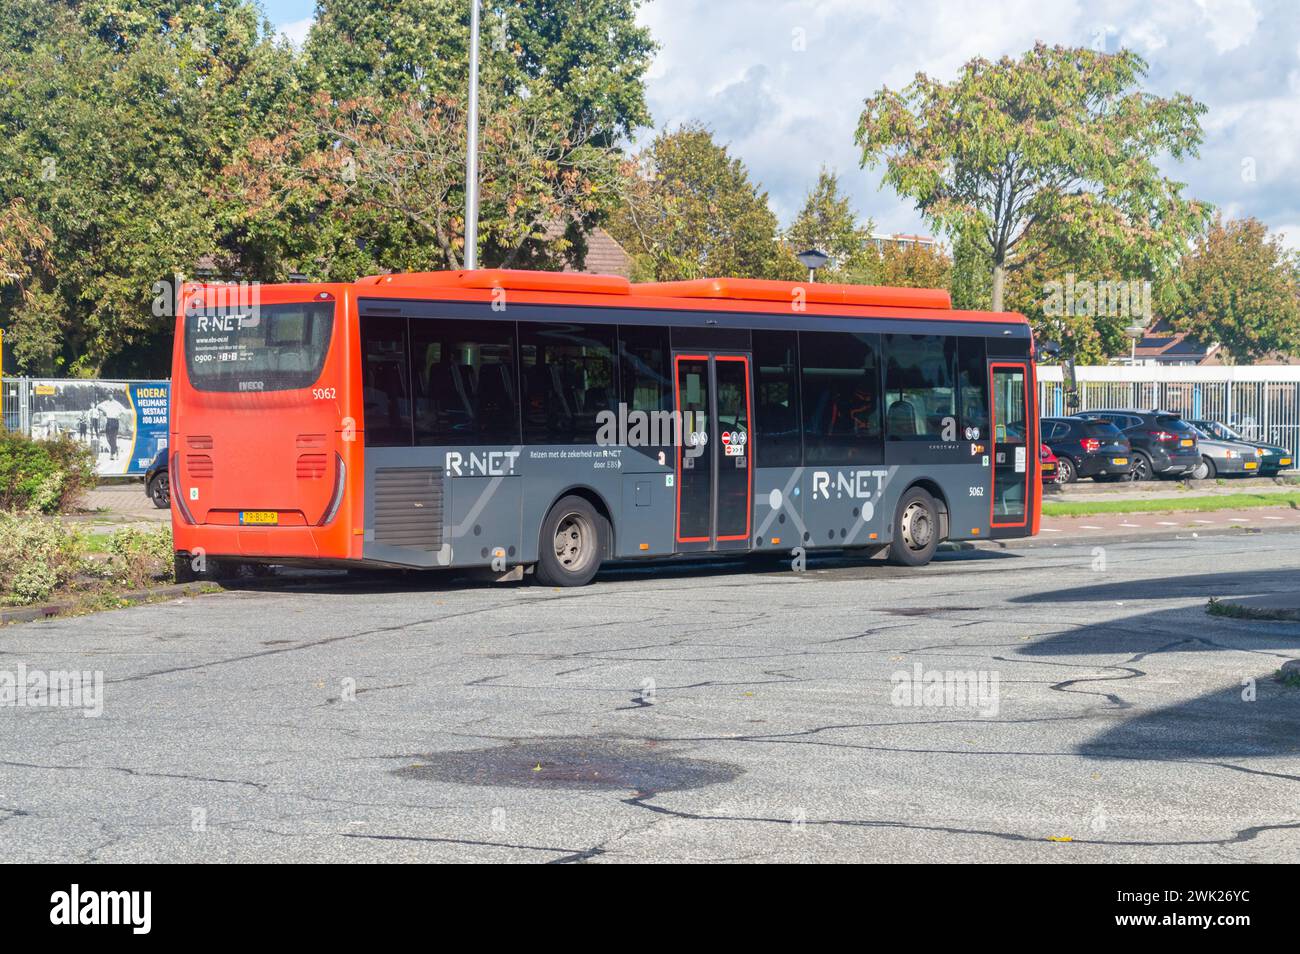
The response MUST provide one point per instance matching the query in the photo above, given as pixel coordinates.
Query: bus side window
(920, 386)
(841, 397)
(776, 412)
(568, 378)
(643, 362)
(973, 380)
(463, 374)
(386, 391)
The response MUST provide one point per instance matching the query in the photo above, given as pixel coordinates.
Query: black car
(1087, 447)
(157, 484)
(1164, 445)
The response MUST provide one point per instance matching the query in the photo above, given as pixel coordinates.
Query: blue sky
(785, 88)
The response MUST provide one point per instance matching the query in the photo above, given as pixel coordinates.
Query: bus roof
(726, 289)
(702, 294)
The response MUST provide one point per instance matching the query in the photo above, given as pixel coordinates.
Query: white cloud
(1290, 233)
(1231, 22)
(734, 65)
(296, 32)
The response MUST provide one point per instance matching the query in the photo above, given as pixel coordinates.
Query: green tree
(1240, 287)
(114, 125)
(690, 210)
(394, 170)
(370, 175)
(585, 59)
(914, 266)
(828, 222)
(1055, 150)
(971, 281)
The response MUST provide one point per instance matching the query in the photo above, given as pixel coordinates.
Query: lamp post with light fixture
(813, 259)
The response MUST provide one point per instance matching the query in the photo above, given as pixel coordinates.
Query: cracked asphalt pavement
(685, 712)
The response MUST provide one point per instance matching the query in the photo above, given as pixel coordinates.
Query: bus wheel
(572, 544)
(916, 529)
(184, 570)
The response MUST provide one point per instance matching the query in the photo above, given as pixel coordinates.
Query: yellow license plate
(259, 517)
(1187, 441)
(1119, 461)
(1251, 465)
(1285, 461)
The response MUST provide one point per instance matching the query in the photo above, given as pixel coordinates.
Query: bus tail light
(176, 489)
(336, 501)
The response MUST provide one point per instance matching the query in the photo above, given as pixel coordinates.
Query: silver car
(1223, 457)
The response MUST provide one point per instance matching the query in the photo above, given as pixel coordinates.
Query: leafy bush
(45, 476)
(43, 559)
(38, 557)
(141, 558)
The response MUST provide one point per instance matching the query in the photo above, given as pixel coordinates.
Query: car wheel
(916, 529)
(572, 545)
(1066, 472)
(160, 491)
(1204, 470)
(1142, 469)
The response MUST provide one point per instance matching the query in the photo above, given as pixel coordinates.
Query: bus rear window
(1102, 429)
(270, 348)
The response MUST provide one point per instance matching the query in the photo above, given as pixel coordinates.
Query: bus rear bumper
(311, 543)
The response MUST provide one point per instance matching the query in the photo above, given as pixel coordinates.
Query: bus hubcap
(918, 527)
(573, 541)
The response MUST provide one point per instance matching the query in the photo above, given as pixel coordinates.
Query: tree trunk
(999, 282)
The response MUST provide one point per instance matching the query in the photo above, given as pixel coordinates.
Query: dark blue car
(156, 482)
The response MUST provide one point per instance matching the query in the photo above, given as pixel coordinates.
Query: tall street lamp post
(471, 152)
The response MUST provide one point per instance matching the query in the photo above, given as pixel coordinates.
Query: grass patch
(1216, 607)
(1084, 508)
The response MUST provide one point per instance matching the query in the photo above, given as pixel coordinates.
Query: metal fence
(1261, 403)
(16, 402)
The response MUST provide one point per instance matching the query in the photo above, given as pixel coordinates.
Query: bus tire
(916, 529)
(572, 545)
(183, 570)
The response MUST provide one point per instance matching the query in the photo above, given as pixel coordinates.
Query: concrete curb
(26, 614)
(1279, 607)
(1145, 536)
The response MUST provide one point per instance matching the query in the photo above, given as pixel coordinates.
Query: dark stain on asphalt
(572, 763)
(925, 610)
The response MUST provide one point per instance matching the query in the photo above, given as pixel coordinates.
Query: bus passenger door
(714, 459)
(1012, 467)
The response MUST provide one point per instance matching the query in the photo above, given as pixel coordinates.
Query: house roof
(605, 256)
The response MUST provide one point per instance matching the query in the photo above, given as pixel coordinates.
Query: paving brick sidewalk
(1103, 524)
(122, 503)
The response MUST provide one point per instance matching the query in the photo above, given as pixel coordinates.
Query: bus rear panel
(261, 431)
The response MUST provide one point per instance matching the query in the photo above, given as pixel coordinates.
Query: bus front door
(1012, 468)
(715, 457)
